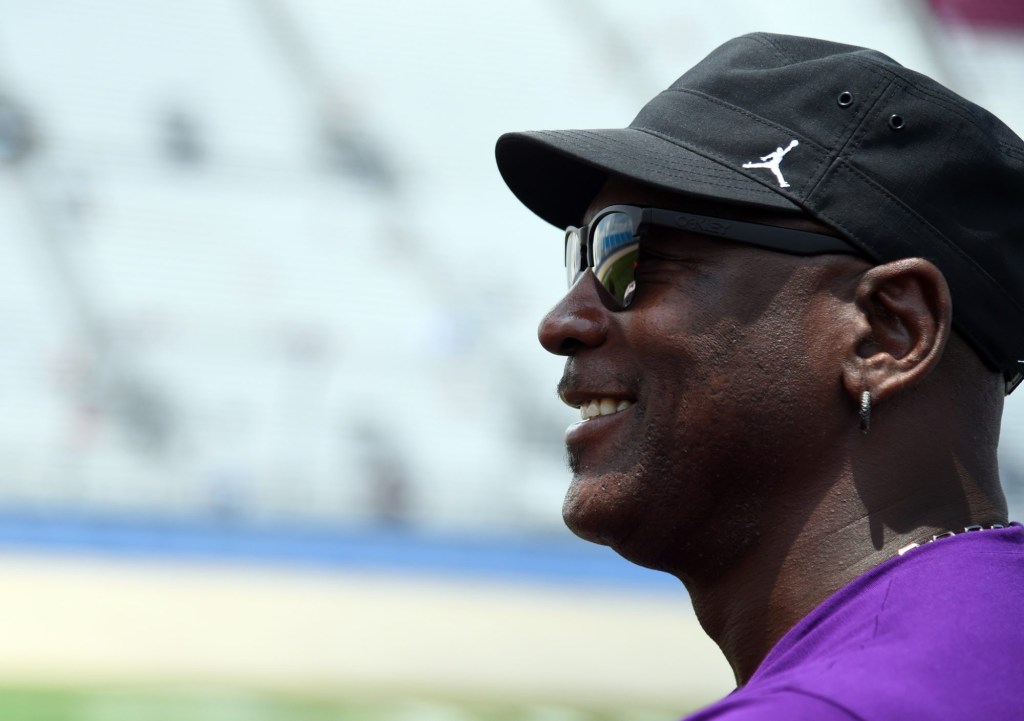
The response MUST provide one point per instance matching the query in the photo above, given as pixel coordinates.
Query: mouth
(597, 407)
(602, 419)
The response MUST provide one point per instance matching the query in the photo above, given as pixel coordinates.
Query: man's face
(724, 365)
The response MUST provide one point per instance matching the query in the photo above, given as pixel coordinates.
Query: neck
(793, 568)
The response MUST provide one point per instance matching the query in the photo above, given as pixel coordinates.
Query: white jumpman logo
(772, 162)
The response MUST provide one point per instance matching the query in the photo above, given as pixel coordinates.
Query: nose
(578, 321)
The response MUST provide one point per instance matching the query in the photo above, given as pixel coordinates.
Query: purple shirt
(934, 634)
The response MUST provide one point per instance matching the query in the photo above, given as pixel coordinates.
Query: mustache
(569, 379)
(573, 378)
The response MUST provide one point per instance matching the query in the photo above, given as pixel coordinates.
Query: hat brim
(556, 173)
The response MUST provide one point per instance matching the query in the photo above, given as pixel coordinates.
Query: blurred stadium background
(277, 440)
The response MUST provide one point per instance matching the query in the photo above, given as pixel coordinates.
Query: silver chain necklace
(967, 529)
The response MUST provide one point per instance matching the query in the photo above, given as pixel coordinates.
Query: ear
(904, 320)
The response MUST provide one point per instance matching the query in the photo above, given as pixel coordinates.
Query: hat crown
(899, 164)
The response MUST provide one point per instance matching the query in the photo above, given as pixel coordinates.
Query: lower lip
(583, 430)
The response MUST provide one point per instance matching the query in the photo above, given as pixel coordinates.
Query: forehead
(621, 191)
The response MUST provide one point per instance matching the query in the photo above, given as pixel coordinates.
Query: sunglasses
(610, 243)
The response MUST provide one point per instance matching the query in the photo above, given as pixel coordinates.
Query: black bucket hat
(892, 160)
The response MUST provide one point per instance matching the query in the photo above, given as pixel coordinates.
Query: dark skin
(740, 467)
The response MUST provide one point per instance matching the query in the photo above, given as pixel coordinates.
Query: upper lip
(579, 385)
(576, 397)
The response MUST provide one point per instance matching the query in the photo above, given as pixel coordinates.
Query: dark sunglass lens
(575, 256)
(615, 250)
(618, 275)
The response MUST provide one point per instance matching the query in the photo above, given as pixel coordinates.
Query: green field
(166, 704)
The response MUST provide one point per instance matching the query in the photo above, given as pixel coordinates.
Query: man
(796, 303)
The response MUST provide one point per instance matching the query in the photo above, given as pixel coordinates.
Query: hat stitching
(847, 141)
(826, 154)
(670, 171)
(608, 143)
(950, 104)
(764, 185)
(855, 144)
(597, 138)
(958, 110)
(856, 137)
(1015, 152)
(767, 42)
(948, 101)
(911, 84)
(651, 162)
(724, 164)
(857, 121)
(923, 224)
(575, 140)
(736, 109)
(732, 163)
(837, 224)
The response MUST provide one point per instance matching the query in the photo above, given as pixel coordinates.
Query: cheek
(727, 397)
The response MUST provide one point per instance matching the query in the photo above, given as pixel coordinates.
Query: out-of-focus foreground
(278, 440)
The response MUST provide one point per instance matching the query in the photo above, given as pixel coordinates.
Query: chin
(594, 513)
(657, 533)
(618, 531)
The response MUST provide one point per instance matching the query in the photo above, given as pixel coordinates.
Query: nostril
(569, 346)
(578, 321)
(569, 328)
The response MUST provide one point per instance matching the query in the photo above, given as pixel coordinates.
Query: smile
(603, 407)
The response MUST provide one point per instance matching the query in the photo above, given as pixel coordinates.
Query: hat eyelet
(845, 99)
(896, 122)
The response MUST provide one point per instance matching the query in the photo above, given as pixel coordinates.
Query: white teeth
(602, 407)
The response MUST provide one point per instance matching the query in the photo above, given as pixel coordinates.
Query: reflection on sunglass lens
(617, 274)
(575, 254)
(615, 253)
